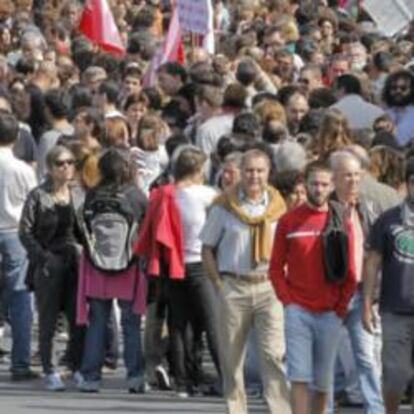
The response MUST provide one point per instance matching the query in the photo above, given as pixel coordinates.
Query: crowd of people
(256, 203)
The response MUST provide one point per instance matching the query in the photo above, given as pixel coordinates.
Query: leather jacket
(368, 211)
(39, 223)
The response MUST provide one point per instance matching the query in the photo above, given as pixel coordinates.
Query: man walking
(315, 303)
(347, 173)
(16, 180)
(391, 253)
(237, 240)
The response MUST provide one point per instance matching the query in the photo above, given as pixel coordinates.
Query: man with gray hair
(382, 194)
(347, 172)
(237, 241)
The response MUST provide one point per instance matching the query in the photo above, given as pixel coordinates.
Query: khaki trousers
(243, 306)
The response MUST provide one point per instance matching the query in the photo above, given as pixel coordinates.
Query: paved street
(30, 398)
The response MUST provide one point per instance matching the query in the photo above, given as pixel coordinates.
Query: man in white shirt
(16, 180)
(360, 113)
(237, 239)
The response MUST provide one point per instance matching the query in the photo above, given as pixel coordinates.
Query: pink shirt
(93, 283)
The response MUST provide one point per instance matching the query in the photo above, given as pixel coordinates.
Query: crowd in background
(298, 95)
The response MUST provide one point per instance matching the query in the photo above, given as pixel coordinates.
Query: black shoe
(141, 389)
(112, 365)
(346, 402)
(213, 391)
(163, 380)
(3, 352)
(28, 375)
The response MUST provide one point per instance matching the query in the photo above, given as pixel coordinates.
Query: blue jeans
(346, 375)
(16, 298)
(94, 352)
(363, 347)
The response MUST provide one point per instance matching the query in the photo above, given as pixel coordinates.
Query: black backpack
(110, 229)
(335, 242)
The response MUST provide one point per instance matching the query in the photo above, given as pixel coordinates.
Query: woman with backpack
(112, 213)
(50, 232)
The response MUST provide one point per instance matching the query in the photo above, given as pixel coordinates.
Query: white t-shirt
(150, 165)
(17, 179)
(193, 202)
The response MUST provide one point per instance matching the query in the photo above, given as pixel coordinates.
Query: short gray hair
(33, 37)
(289, 156)
(255, 153)
(337, 157)
(361, 153)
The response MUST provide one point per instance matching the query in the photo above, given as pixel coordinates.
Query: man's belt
(250, 279)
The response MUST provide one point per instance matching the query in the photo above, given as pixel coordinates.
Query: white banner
(196, 16)
(410, 6)
(390, 16)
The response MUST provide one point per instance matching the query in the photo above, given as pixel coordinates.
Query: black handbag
(335, 242)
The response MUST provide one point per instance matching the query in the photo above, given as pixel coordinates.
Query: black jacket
(368, 211)
(39, 221)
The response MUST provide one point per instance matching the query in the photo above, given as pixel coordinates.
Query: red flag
(171, 50)
(98, 25)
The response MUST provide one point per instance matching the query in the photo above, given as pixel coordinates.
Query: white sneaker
(53, 382)
(183, 394)
(77, 378)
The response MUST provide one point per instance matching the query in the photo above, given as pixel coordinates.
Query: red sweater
(297, 270)
(161, 235)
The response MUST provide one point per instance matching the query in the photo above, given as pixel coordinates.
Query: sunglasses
(61, 163)
(400, 87)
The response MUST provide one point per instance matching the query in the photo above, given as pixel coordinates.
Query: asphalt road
(31, 398)
(25, 398)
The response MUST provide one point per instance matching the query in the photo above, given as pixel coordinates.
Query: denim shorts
(312, 340)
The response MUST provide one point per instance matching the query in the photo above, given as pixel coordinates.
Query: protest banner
(390, 16)
(195, 15)
(196, 18)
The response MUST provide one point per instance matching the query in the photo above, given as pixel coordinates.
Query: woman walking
(49, 230)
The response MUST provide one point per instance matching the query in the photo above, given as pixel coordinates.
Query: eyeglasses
(61, 163)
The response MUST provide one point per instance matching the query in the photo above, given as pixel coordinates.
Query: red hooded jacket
(161, 235)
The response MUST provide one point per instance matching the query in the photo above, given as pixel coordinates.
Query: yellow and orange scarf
(260, 226)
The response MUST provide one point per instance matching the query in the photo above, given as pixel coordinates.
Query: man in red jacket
(314, 306)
